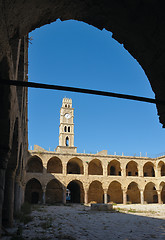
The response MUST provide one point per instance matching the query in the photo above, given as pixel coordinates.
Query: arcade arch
(133, 193)
(95, 192)
(150, 193)
(115, 193)
(161, 168)
(54, 165)
(75, 166)
(132, 169)
(34, 165)
(95, 167)
(114, 168)
(33, 191)
(162, 187)
(148, 170)
(54, 192)
(76, 191)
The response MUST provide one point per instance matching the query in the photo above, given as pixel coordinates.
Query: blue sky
(73, 53)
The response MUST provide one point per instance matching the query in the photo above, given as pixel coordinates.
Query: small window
(65, 129)
(145, 174)
(65, 105)
(67, 141)
(68, 106)
(129, 174)
(68, 129)
(119, 173)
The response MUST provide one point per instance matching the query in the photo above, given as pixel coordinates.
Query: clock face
(67, 115)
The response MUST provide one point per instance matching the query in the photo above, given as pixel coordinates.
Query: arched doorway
(95, 167)
(150, 193)
(162, 186)
(131, 169)
(54, 192)
(33, 191)
(115, 192)
(133, 193)
(76, 191)
(161, 168)
(95, 192)
(54, 165)
(34, 165)
(148, 170)
(75, 166)
(114, 168)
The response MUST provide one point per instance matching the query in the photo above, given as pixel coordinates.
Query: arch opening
(54, 192)
(150, 193)
(34, 165)
(148, 170)
(33, 191)
(133, 193)
(95, 167)
(131, 169)
(115, 192)
(163, 192)
(75, 166)
(95, 192)
(114, 168)
(54, 165)
(76, 191)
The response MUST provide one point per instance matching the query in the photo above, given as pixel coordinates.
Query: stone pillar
(85, 196)
(105, 171)
(8, 205)
(43, 194)
(124, 196)
(123, 171)
(86, 168)
(141, 197)
(105, 197)
(159, 196)
(140, 171)
(64, 169)
(64, 195)
(17, 196)
(23, 193)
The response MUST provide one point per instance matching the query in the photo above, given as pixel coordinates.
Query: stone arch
(54, 192)
(162, 187)
(148, 170)
(114, 168)
(133, 193)
(33, 191)
(132, 169)
(161, 168)
(75, 166)
(115, 193)
(76, 191)
(54, 165)
(34, 165)
(95, 192)
(95, 167)
(150, 193)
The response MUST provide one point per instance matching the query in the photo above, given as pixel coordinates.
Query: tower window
(65, 105)
(65, 129)
(68, 106)
(67, 141)
(68, 129)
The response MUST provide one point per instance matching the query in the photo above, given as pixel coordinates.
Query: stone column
(105, 171)
(124, 196)
(159, 196)
(105, 197)
(64, 195)
(86, 168)
(43, 194)
(141, 197)
(85, 196)
(123, 171)
(64, 169)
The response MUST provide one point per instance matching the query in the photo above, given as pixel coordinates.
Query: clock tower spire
(66, 128)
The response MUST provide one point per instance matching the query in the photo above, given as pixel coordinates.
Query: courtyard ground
(78, 222)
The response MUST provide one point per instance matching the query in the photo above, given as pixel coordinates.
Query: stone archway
(133, 193)
(75, 166)
(54, 165)
(95, 167)
(162, 185)
(95, 192)
(131, 169)
(54, 192)
(114, 168)
(34, 165)
(33, 191)
(148, 170)
(76, 191)
(150, 193)
(161, 168)
(115, 192)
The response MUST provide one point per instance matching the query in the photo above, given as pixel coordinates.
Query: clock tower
(66, 128)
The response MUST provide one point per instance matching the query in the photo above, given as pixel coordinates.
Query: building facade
(89, 178)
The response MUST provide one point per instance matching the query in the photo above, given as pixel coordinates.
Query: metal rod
(80, 90)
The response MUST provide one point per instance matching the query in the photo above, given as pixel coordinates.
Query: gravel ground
(78, 222)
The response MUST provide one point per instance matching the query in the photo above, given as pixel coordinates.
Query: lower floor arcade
(94, 192)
